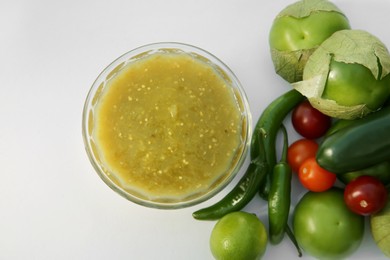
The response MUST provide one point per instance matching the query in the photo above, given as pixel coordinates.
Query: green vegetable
(348, 75)
(387, 103)
(364, 143)
(263, 158)
(293, 239)
(324, 226)
(268, 124)
(337, 125)
(380, 228)
(298, 30)
(279, 198)
(240, 195)
(238, 235)
(381, 171)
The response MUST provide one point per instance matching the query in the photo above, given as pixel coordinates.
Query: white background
(52, 203)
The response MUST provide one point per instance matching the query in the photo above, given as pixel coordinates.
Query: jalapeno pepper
(362, 144)
(263, 158)
(279, 198)
(381, 171)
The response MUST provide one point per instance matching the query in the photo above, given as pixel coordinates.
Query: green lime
(238, 236)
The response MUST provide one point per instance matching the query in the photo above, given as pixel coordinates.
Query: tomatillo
(324, 227)
(354, 84)
(298, 30)
(348, 76)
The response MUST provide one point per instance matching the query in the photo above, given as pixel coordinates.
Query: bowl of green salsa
(166, 125)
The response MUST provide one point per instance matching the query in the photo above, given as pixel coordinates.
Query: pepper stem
(293, 240)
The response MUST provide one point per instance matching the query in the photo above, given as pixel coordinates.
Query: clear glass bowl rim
(148, 48)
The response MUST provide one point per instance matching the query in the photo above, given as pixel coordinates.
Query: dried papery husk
(380, 228)
(347, 46)
(304, 8)
(289, 64)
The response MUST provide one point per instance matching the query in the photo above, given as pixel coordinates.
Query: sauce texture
(168, 125)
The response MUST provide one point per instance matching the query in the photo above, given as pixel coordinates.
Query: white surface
(52, 203)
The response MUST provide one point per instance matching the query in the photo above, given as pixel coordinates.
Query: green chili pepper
(263, 158)
(269, 123)
(241, 194)
(279, 197)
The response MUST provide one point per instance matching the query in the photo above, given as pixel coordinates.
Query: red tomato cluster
(311, 124)
(364, 195)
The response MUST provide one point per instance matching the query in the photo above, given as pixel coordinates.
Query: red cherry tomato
(309, 122)
(315, 178)
(365, 195)
(299, 151)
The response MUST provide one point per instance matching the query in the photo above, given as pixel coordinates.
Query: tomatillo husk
(347, 76)
(298, 30)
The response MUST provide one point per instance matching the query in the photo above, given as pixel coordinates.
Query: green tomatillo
(298, 30)
(324, 227)
(380, 228)
(347, 77)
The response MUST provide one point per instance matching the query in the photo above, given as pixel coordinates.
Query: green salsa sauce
(168, 125)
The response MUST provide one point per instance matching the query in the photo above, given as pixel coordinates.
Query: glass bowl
(166, 125)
